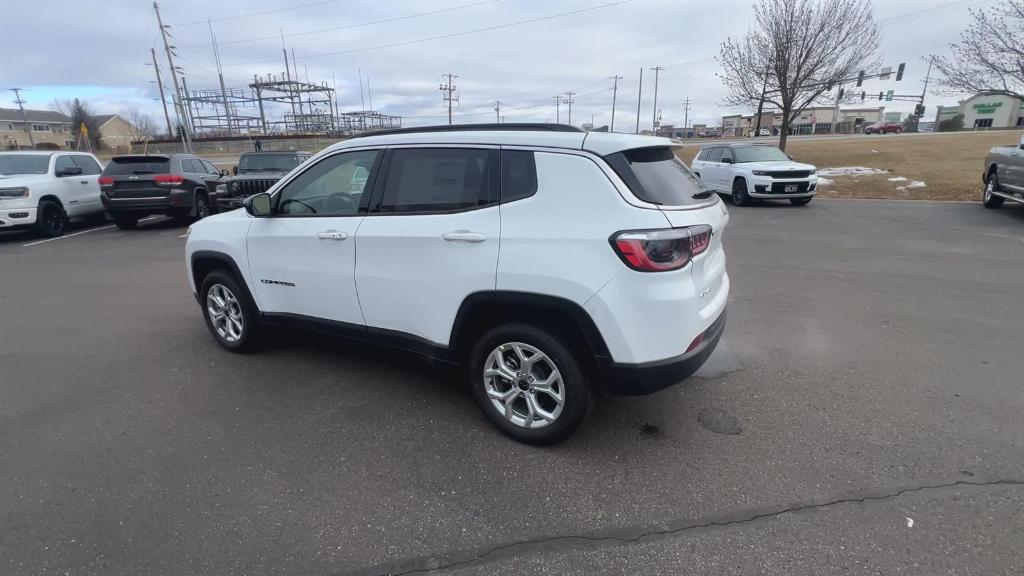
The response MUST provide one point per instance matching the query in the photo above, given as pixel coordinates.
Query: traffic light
(899, 71)
(860, 78)
(841, 93)
(863, 95)
(888, 96)
(881, 96)
(919, 110)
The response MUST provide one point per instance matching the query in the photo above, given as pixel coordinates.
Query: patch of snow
(916, 184)
(875, 151)
(850, 171)
(897, 179)
(824, 181)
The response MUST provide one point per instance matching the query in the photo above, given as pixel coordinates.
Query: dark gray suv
(135, 186)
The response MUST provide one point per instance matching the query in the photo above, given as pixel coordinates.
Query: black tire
(801, 201)
(201, 207)
(246, 309)
(739, 192)
(577, 392)
(989, 200)
(126, 222)
(51, 221)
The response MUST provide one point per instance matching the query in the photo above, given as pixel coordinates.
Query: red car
(884, 128)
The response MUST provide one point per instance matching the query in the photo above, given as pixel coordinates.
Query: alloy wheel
(989, 188)
(524, 385)
(225, 313)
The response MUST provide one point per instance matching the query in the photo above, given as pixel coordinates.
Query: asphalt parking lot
(863, 415)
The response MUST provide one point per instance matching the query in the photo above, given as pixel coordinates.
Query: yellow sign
(84, 130)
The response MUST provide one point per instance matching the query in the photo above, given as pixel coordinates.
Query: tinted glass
(518, 175)
(24, 164)
(87, 164)
(714, 155)
(726, 155)
(126, 165)
(192, 166)
(657, 176)
(209, 168)
(331, 187)
(759, 154)
(437, 179)
(267, 163)
(63, 163)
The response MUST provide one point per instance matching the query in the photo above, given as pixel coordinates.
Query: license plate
(792, 188)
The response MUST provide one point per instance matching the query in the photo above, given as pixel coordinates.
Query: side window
(518, 175)
(726, 155)
(438, 179)
(702, 155)
(331, 187)
(210, 168)
(62, 163)
(714, 155)
(195, 166)
(87, 164)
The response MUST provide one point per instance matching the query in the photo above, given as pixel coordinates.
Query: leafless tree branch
(989, 56)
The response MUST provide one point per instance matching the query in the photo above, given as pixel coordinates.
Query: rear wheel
(52, 221)
(126, 222)
(528, 384)
(739, 192)
(800, 201)
(988, 198)
(202, 206)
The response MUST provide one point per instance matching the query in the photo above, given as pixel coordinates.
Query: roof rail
(516, 126)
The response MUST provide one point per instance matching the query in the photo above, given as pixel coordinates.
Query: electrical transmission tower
(569, 100)
(448, 89)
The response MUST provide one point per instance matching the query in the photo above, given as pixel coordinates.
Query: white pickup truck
(46, 189)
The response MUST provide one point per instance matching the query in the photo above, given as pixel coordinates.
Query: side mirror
(223, 173)
(70, 171)
(257, 205)
(234, 170)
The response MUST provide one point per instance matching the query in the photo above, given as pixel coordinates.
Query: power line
(350, 26)
(238, 16)
(451, 35)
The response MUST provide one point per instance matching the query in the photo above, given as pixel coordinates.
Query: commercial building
(47, 127)
(986, 110)
(816, 120)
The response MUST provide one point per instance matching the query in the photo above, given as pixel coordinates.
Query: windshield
(128, 165)
(11, 164)
(657, 176)
(759, 154)
(267, 163)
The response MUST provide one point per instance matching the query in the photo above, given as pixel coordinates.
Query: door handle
(464, 236)
(332, 235)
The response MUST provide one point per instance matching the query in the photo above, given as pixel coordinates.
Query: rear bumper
(175, 203)
(647, 378)
(13, 218)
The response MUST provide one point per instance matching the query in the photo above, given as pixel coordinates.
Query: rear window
(657, 176)
(128, 165)
(11, 164)
(267, 162)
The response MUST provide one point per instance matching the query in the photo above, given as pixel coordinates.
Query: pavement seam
(465, 558)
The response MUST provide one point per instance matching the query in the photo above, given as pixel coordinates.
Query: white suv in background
(45, 189)
(545, 260)
(747, 170)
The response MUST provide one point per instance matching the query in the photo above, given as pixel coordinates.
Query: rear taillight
(168, 179)
(661, 250)
(106, 180)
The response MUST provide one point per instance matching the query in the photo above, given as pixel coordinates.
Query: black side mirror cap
(257, 205)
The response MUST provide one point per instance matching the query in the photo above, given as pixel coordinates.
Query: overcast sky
(99, 51)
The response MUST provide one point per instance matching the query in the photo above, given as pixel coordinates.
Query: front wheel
(528, 384)
(988, 198)
(228, 312)
(800, 201)
(739, 192)
(52, 220)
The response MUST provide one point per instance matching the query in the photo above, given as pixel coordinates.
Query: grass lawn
(950, 165)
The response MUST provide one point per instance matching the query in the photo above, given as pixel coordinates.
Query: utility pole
(760, 104)
(369, 94)
(188, 108)
(615, 91)
(220, 75)
(497, 111)
(654, 123)
(160, 85)
(448, 90)
(927, 77)
(179, 103)
(639, 95)
(686, 116)
(24, 122)
(558, 116)
(835, 110)
(569, 101)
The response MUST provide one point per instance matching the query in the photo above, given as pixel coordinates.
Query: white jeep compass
(545, 260)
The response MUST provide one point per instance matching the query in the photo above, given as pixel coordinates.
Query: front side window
(713, 155)
(439, 180)
(726, 155)
(87, 164)
(63, 163)
(332, 187)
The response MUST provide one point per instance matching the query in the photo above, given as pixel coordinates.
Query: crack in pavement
(632, 535)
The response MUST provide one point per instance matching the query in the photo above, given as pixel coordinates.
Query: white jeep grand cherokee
(545, 260)
(746, 170)
(43, 190)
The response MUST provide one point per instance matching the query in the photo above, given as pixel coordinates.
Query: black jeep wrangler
(255, 173)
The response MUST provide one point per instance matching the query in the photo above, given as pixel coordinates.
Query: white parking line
(78, 233)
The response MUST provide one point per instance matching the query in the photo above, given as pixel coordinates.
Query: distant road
(810, 137)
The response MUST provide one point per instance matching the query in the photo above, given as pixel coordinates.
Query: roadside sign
(888, 96)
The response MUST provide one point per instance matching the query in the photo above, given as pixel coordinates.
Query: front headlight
(12, 193)
(759, 173)
(814, 171)
(221, 189)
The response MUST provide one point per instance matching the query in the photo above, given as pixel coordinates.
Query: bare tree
(81, 114)
(990, 54)
(142, 125)
(797, 51)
